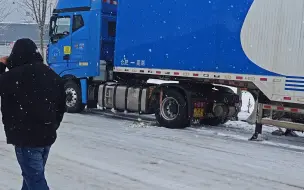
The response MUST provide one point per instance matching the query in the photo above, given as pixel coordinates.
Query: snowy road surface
(98, 153)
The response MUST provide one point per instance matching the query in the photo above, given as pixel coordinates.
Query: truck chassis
(175, 104)
(178, 101)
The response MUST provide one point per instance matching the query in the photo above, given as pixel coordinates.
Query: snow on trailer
(116, 47)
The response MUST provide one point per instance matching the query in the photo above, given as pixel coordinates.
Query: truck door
(59, 49)
(85, 43)
(80, 37)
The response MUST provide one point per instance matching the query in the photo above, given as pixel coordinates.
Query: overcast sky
(18, 15)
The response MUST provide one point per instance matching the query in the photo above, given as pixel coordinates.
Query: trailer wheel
(172, 113)
(73, 97)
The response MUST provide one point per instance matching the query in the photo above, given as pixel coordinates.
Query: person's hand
(4, 59)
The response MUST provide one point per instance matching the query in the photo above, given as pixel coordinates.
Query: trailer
(107, 50)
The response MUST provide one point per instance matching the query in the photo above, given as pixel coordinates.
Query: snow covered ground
(95, 152)
(99, 153)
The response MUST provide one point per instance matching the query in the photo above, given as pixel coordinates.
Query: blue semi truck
(107, 50)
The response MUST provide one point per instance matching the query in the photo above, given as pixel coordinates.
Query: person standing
(32, 106)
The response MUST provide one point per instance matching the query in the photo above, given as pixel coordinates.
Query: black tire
(73, 100)
(181, 120)
(216, 121)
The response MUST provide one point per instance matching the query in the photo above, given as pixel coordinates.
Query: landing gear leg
(257, 132)
(258, 124)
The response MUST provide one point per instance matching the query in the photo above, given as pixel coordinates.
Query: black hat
(24, 52)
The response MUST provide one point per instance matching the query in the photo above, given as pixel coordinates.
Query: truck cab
(81, 47)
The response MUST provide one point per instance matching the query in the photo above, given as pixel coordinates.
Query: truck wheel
(172, 113)
(73, 97)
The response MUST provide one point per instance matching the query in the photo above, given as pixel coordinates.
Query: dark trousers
(32, 162)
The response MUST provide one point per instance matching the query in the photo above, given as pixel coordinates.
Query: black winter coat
(32, 102)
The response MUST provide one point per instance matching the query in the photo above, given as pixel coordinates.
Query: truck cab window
(60, 28)
(77, 22)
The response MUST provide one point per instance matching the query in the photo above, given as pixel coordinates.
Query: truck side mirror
(51, 25)
(51, 28)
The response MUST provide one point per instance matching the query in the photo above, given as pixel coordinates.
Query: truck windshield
(59, 27)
